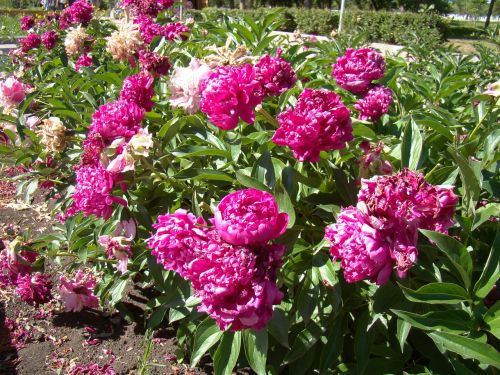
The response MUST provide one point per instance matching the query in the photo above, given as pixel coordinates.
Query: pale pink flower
(184, 86)
(32, 122)
(357, 68)
(249, 217)
(34, 289)
(231, 93)
(78, 292)
(320, 121)
(12, 92)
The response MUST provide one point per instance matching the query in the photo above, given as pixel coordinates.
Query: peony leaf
(207, 334)
(490, 273)
(411, 147)
(436, 293)
(304, 341)
(256, 345)
(227, 353)
(457, 321)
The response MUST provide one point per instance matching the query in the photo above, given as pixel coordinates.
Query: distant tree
(488, 15)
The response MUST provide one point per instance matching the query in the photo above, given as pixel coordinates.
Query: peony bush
(293, 206)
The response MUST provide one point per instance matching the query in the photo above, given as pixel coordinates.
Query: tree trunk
(231, 4)
(308, 4)
(488, 15)
(243, 4)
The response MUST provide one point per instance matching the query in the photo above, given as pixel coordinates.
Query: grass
(10, 27)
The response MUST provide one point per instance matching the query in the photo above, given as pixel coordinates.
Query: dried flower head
(52, 131)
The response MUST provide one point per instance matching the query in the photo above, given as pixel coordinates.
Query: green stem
(270, 119)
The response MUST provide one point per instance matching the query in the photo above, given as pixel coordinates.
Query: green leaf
(207, 334)
(455, 251)
(467, 347)
(278, 326)
(203, 174)
(250, 182)
(363, 340)
(470, 182)
(191, 151)
(402, 331)
(157, 317)
(457, 321)
(285, 204)
(490, 273)
(492, 318)
(255, 343)
(484, 213)
(304, 341)
(411, 146)
(333, 347)
(263, 170)
(433, 293)
(227, 353)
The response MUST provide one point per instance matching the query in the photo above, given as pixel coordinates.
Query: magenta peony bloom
(175, 30)
(153, 63)
(185, 85)
(138, 88)
(12, 92)
(177, 239)
(81, 11)
(64, 20)
(355, 70)
(320, 121)
(34, 289)
(92, 193)
(359, 242)
(230, 93)
(31, 41)
(148, 28)
(49, 39)
(407, 196)
(27, 22)
(117, 119)
(92, 148)
(78, 292)
(149, 8)
(237, 284)
(375, 103)
(275, 74)
(249, 217)
(83, 60)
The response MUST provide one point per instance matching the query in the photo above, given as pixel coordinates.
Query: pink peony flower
(153, 63)
(355, 70)
(64, 21)
(175, 30)
(12, 92)
(359, 242)
(27, 22)
(375, 103)
(32, 122)
(14, 262)
(81, 11)
(117, 119)
(149, 8)
(34, 289)
(407, 196)
(275, 74)
(31, 41)
(184, 86)
(92, 148)
(249, 217)
(49, 39)
(237, 284)
(230, 93)
(138, 89)
(78, 292)
(177, 239)
(92, 193)
(83, 60)
(148, 28)
(320, 121)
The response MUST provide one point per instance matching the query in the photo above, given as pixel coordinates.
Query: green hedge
(388, 27)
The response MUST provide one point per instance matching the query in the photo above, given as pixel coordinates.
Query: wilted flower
(140, 143)
(230, 93)
(14, 262)
(275, 74)
(125, 42)
(31, 41)
(49, 39)
(375, 103)
(154, 63)
(185, 86)
(83, 60)
(118, 245)
(138, 88)
(370, 161)
(320, 121)
(78, 291)
(355, 70)
(92, 193)
(222, 56)
(117, 119)
(74, 42)
(12, 92)
(34, 289)
(92, 148)
(53, 134)
(249, 217)
(177, 239)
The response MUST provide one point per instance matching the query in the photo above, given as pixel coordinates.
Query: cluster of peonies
(319, 121)
(355, 71)
(231, 93)
(382, 230)
(231, 265)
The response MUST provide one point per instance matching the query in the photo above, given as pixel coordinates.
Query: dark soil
(58, 339)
